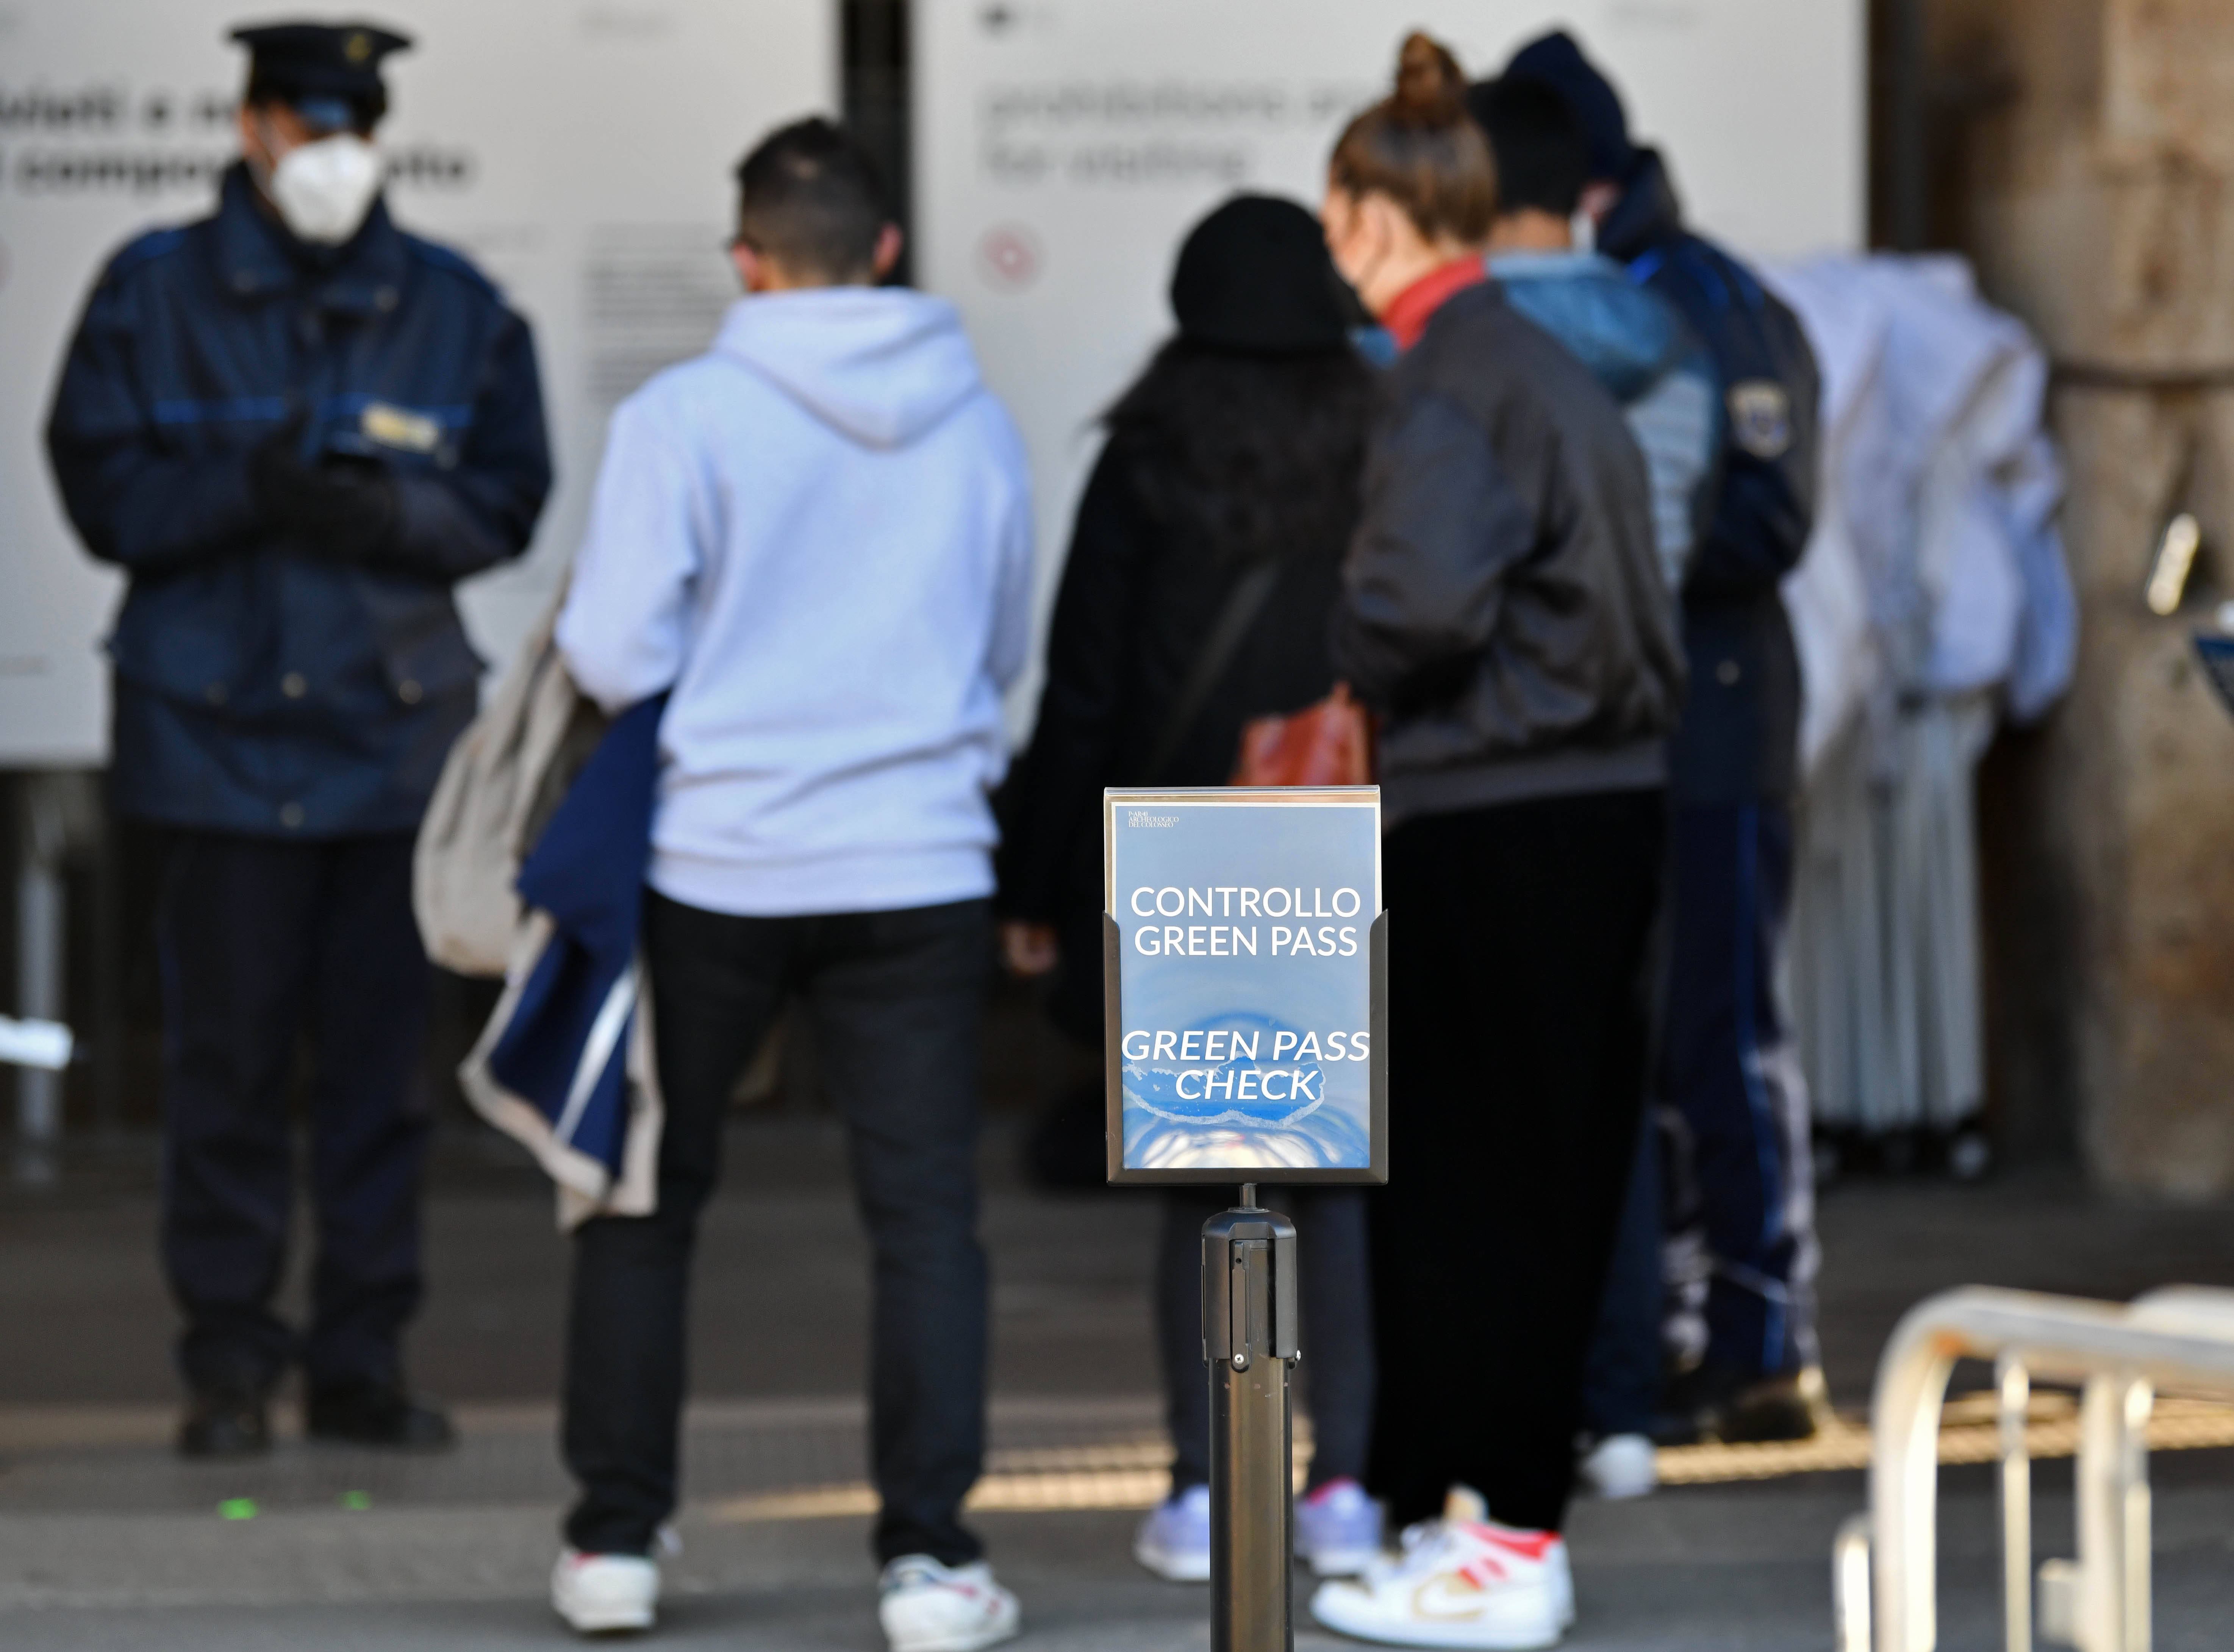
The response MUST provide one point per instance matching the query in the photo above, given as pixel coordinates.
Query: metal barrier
(1884, 1568)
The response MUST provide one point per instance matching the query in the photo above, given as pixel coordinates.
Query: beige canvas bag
(503, 778)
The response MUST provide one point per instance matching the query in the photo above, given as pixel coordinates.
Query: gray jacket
(1503, 606)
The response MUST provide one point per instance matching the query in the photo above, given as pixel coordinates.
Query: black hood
(1648, 213)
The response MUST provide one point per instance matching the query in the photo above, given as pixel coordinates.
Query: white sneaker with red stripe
(926, 1607)
(1461, 1581)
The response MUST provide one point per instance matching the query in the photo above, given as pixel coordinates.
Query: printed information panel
(1247, 957)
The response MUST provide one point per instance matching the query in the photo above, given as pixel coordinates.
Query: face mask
(324, 190)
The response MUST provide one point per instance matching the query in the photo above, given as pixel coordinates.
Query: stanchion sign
(1246, 953)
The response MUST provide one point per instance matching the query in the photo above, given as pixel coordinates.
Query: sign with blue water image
(1246, 958)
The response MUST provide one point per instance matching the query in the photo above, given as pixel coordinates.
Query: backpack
(499, 785)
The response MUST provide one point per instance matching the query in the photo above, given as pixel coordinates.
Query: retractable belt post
(1248, 1343)
(1221, 1064)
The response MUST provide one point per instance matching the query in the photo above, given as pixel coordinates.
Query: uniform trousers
(896, 1000)
(1743, 1181)
(1521, 964)
(1621, 1379)
(261, 942)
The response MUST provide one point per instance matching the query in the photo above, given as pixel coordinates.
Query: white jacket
(817, 535)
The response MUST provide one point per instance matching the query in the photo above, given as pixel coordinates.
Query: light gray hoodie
(817, 535)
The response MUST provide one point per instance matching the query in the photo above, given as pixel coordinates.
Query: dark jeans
(259, 941)
(1337, 1325)
(896, 1000)
(1520, 975)
(1747, 1192)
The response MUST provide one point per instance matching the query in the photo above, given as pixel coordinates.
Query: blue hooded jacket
(262, 688)
(1649, 362)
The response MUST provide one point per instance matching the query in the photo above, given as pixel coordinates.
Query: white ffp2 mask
(324, 189)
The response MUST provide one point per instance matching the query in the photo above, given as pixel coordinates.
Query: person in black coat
(1241, 443)
(1505, 611)
(294, 427)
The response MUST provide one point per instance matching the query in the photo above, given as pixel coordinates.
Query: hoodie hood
(881, 365)
(1649, 212)
(1627, 337)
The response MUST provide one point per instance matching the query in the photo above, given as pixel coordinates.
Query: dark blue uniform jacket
(260, 688)
(1739, 739)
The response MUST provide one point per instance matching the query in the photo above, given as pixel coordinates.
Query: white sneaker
(925, 1607)
(1622, 1466)
(1337, 1529)
(605, 1594)
(1173, 1539)
(1464, 1503)
(1458, 1582)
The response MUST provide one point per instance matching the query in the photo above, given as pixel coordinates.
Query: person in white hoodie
(815, 539)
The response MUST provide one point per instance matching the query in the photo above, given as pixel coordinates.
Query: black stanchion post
(1249, 1343)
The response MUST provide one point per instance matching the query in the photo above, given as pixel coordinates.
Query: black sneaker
(377, 1413)
(224, 1423)
(1719, 1402)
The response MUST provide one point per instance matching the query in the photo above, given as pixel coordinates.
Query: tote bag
(499, 785)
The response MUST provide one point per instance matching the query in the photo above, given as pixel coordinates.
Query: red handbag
(1327, 744)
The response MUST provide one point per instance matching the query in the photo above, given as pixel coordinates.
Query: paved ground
(1731, 1569)
(107, 1541)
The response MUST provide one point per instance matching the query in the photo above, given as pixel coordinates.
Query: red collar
(1409, 311)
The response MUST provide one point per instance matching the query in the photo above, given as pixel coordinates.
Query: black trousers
(1337, 1325)
(896, 1000)
(1519, 1024)
(261, 940)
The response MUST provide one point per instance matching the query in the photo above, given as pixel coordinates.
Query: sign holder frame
(1376, 1173)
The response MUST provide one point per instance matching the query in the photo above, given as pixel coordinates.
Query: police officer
(294, 427)
(1728, 1068)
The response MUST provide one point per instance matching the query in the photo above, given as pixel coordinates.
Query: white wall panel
(1062, 148)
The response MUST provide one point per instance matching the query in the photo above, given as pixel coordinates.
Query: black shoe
(377, 1413)
(1719, 1402)
(224, 1423)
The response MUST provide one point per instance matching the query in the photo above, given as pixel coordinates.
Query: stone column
(2095, 193)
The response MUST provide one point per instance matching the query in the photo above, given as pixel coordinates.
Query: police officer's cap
(329, 72)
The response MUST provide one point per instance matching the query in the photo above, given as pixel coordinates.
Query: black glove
(342, 508)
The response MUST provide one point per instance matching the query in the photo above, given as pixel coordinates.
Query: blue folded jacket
(565, 1064)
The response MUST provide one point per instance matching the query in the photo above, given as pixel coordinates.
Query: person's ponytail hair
(1419, 148)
